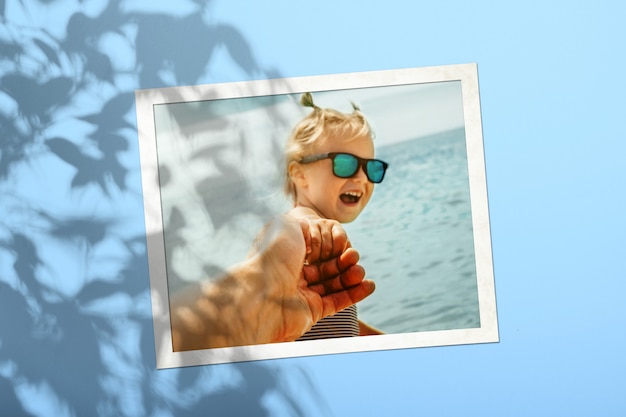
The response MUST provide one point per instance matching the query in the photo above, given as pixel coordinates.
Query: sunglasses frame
(361, 164)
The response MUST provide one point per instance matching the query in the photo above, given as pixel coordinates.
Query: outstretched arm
(271, 296)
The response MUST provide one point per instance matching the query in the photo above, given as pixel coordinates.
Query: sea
(416, 241)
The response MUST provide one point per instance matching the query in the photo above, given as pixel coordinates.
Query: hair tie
(355, 107)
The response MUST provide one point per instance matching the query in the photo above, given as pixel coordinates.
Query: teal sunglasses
(346, 165)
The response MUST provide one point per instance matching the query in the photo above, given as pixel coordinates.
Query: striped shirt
(343, 324)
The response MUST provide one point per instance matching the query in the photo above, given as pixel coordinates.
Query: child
(330, 175)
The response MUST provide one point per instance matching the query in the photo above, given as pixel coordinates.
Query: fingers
(327, 238)
(340, 282)
(339, 240)
(316, 239)
(335, 274)
(333, 303)
(331, 268)
(346, 285)
(306, 232)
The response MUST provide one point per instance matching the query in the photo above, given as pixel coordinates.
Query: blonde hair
(317, 125)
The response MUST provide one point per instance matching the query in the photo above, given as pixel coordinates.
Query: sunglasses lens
(344, 165)
(375, 171)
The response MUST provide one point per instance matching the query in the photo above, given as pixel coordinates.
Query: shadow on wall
(75, 319)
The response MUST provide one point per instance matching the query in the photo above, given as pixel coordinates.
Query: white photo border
(146, 100)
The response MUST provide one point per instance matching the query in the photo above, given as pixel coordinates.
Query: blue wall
(75, 325)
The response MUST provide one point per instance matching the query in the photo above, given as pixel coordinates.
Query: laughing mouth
(351, 197)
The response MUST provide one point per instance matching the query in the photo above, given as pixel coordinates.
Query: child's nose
(360, 174)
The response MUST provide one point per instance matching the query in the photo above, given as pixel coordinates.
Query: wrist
(223, 313)
(248, 313)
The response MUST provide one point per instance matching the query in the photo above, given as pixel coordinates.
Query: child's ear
(297, 175)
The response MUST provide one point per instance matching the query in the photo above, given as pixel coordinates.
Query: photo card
(216, 170)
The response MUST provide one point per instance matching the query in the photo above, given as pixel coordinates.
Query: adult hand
(272, 296)
(330, 281)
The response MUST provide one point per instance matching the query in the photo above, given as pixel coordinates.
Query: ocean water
(415, 239)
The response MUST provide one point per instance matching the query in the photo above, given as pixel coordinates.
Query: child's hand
(324, 238)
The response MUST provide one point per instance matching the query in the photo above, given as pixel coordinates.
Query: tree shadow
(76, 331)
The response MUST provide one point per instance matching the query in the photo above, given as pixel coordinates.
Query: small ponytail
(307, 101)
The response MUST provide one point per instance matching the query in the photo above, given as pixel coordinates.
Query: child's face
(340, 199)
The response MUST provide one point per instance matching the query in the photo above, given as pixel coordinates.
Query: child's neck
(306, 211)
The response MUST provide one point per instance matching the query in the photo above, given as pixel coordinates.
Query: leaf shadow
(79, 339)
